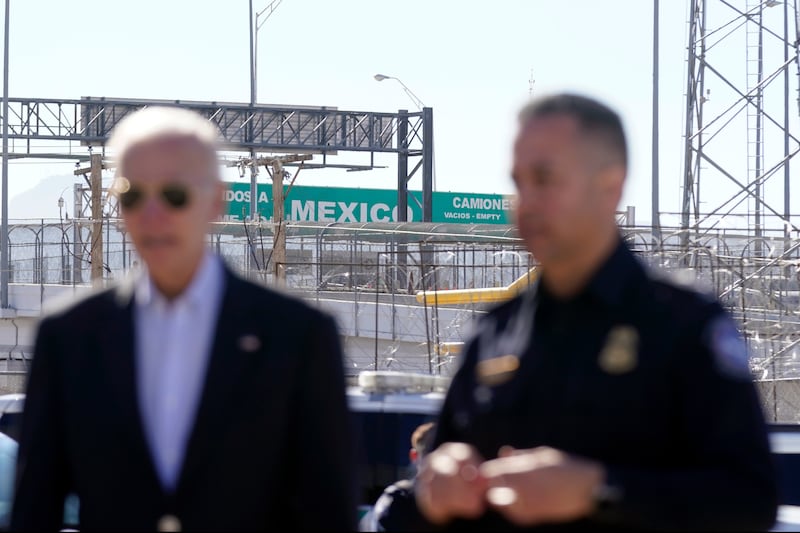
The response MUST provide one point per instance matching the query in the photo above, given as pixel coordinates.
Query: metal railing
(378, 268)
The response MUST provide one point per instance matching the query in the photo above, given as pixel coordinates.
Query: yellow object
(497, 370)
(482, 295)
(449, 348)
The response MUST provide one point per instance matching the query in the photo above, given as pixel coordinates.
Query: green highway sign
(339, 204)
(472, 208)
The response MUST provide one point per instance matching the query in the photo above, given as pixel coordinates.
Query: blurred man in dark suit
(186, 397)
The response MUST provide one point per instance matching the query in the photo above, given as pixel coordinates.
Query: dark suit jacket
(271, 446)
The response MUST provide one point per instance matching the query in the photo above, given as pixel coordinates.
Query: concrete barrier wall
(781, 400)
(402, 340)
(12, 382)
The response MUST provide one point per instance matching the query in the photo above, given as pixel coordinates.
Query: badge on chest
(620, 354)
(496, 370)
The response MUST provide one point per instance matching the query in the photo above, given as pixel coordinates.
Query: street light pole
(254, 27)
(428, 173)
(4, 249)
(271, 7)
(252, 59)
(253, 166)
(428, 155)
(655, 218)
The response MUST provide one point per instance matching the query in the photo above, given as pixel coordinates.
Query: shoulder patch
(728, 348)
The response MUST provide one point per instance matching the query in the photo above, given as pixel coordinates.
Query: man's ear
(610, 182)
(412, 455)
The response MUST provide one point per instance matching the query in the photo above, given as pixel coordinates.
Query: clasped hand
(526, 486)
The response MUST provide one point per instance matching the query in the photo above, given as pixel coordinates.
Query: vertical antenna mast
(531, 81)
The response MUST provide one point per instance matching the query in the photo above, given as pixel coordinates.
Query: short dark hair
(594, 118)
(422, 437)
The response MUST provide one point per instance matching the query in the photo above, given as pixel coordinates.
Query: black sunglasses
(174, 195)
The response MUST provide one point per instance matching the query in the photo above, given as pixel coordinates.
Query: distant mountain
(41, 201)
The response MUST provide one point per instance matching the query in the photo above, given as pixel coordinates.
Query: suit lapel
(232, 347)
(119, 348)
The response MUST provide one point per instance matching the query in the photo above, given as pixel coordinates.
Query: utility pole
(278, 199)
(96, 178)
(95, 172)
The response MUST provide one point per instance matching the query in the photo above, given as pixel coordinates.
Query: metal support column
(427, 164)
(786, 168)
(754, 60)
(694, 102)
(655, 221)
(402, 165)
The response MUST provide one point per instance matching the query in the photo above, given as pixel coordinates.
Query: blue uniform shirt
(646, 377)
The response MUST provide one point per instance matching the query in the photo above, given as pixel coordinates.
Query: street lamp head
(414, 97)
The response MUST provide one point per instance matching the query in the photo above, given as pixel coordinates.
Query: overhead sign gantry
(87, 122)
(71, 129)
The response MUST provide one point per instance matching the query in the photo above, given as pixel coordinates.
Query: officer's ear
(610, 181)
(413, 455)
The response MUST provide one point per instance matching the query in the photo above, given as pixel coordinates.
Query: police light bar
(391, 381)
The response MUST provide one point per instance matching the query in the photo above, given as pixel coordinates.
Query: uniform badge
(620, 353)
(496, 370)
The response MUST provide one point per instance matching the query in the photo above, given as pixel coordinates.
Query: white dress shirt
(173, 346)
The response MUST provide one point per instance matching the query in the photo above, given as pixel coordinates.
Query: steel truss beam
(36, 123)
(744, 97)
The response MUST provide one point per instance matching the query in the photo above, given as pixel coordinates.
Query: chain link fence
(378, 269)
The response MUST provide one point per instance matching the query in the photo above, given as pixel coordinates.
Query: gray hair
(156, 122)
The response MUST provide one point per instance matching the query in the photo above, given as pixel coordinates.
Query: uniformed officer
(395, 509)
(603, 397)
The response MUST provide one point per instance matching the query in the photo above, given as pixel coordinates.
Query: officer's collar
(608, 282)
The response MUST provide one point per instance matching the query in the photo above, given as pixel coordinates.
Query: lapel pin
(620, 353)
(249, 343)
(497, 370)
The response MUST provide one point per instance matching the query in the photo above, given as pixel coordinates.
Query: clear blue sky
(471, 61)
